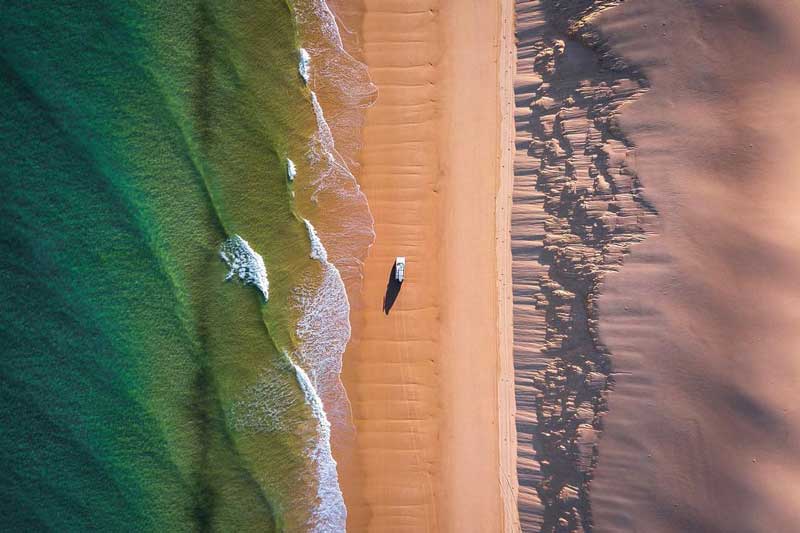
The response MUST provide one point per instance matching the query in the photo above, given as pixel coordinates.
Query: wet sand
(423, 381)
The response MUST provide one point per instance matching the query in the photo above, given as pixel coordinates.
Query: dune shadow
(392, 290)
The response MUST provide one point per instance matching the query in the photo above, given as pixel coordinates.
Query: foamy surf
(264, 408)
(323, 331)
(244, 263)
(318, 251)
(323, 150)
(304, 67)
(345, 223)
(349, 229)
(330, 513)
(330, 194)
(340, 83)
(324, 328)
(323, 41)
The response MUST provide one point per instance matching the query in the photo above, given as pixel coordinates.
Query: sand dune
(702, 431)
(577, 210)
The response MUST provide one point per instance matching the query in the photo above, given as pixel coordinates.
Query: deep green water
(134, 138)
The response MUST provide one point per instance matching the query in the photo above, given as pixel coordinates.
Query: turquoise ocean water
(139, 390)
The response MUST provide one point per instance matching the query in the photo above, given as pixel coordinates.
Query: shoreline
(423, 381)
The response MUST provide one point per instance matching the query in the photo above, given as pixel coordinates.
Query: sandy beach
(423, 381)
(598, 323)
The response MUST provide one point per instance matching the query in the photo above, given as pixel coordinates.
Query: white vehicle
(400, 268)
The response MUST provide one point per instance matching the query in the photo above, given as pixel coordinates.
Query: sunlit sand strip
(424, 381)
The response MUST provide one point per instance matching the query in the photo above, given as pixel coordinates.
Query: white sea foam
(330, 515)
(304, 67)
(323, 331)
(318, 251)
(346, 228)
(333, 65)
(322, 153)
(264, 408)
(324, 324)
(245, 263)
(343, 82)
(291, 169)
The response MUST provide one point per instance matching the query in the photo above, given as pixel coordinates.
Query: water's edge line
(329, 489)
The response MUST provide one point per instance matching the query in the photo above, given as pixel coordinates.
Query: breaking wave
(291, 169)
(304, 67)
(327, 193)
(324, 329)
(245, 263)
(340, 83)
(330, 515)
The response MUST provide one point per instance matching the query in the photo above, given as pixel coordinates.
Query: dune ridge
(702, 432)
(577, 209)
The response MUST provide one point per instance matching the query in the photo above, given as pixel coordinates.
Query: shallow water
(141, 389)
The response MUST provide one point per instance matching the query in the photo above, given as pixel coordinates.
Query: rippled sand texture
(703, 429)
(577, 209)
(423, 380)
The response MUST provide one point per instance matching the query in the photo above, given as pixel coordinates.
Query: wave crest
(245, 263)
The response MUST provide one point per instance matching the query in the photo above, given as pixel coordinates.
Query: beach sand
(423, 381)
(703, 430)
(576, 211)
(654, 330)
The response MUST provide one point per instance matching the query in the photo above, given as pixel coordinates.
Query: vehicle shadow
(392, 290)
